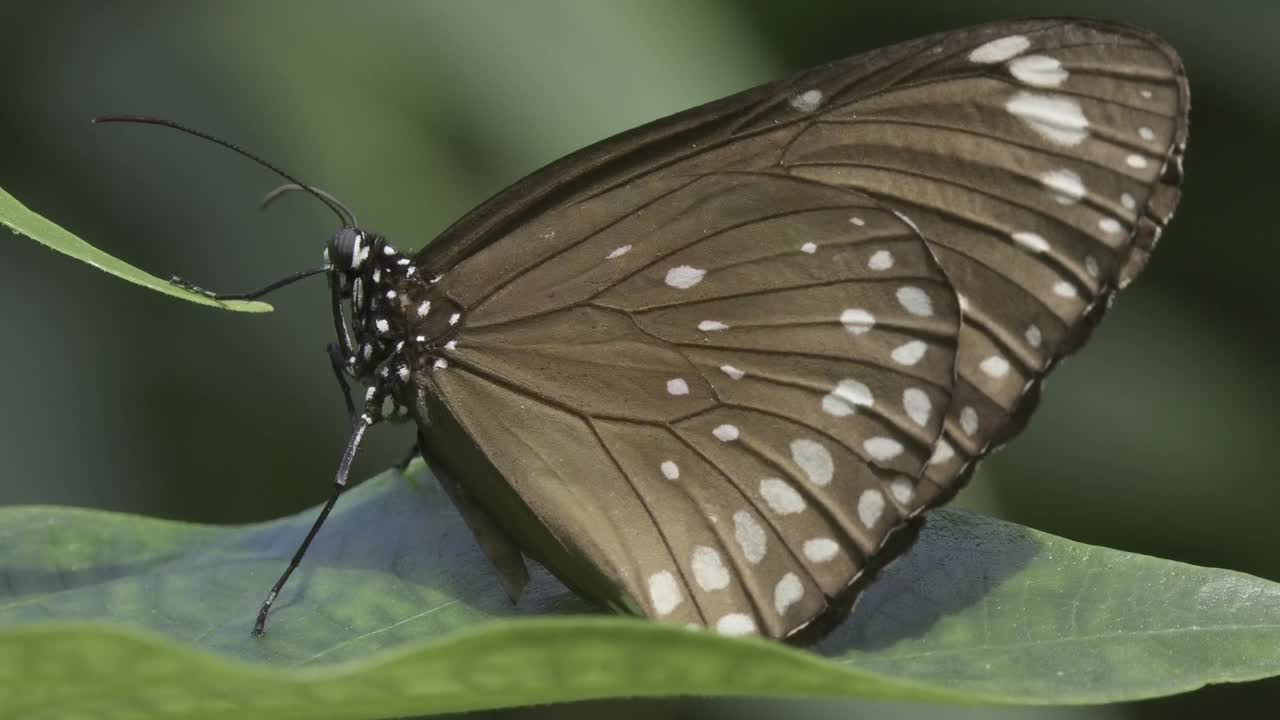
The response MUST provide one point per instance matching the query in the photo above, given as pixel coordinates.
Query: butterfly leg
(339, 362)
(252, 295)
(358, 429)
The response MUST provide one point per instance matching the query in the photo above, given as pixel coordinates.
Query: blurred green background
(1156, 439)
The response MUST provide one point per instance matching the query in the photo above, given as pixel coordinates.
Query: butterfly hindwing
(713, 356)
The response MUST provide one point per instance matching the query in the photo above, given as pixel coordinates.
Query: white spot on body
(402, 261)
(820, 549)
(1067, 186)
(880, 260)
(670, 470)
(915, 301)
(451, 345)
(708, 569)
(733, 372)
(781, 497)
(814, 459)
(664, 592)
(909, 353)
(382, 325)
(685, 276)
(677, 386)
(870, 507)
(440, 364)
(787, 592)
(712, 326)
(424, 308)
(918, 406)
(1039, 70)
(857, 321)
(453, 319)
(902, 489)
(969, 420)
(726, 433)
(750, 536)
(1031, 241)
(1034, 336)
(618, 252)
(1057, 119)
(997, 51)
(402, 372)
(995, 366)
(844, 399)
(388, 250)
(882, 449)
(735, 624)
(809, 248)
(391, 294)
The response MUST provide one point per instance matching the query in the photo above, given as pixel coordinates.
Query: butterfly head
(394, 317)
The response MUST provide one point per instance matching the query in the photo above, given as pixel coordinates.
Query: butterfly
(714, 370)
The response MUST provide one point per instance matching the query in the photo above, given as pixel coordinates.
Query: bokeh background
(1159, 438)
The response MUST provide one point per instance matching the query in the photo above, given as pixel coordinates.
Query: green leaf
(395, 612)
(18, 218)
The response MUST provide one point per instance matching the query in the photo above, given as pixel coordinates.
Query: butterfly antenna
(344, 215)
(291, 187)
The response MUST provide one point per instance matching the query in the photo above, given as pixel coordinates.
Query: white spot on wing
(855, 220)
(916, 402)
(1127, 201)
(750, 536)
(857, 320)
(915, 301)
(1146, 133)
(618, 252)
(998, 51)
(712, 326)
(870, 507)
(902, 489)
(733, 372)
(845, 397)
(995, 366)
(880, 260)
(814, 459)
(909, 353)
(820, 549)
(726, 433)
(1034, 336)
(809, 248)
(1067, 186)
(1038, 70)
(677, 386)
(424, 308)
(807, 101)
(969, 420)
(787, 592)
(735, 624)
(1136, 161)
(1064, 289)
(1057, 119)
(670, 470)
(882, 449)
(685, 276)
(664, 592)
(1031, 241)
(1091, 266)
(942, 452)
(708, 569)
(1110, 225)
(781, 497)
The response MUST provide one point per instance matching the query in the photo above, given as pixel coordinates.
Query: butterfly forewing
(723, 357)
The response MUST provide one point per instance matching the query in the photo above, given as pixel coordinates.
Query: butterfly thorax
(391, 306)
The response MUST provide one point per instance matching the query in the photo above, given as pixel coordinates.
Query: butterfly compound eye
(347, 249)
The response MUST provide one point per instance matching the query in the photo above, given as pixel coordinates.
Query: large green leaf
(395, 612)
(18, 218)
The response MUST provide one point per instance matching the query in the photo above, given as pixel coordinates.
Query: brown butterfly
(715, 369)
